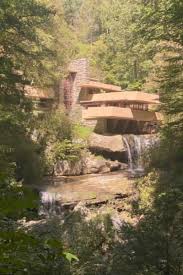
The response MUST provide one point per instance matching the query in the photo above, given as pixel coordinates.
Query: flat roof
(133, 96)
(35, 92)
(120, 113)
(100, 86)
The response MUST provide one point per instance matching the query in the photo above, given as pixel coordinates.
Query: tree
(106, 32)
(162, 22)
(24, 56)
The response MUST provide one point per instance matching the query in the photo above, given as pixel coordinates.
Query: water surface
(100, 186)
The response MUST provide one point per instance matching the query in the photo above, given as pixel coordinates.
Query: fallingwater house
(107, 108)
(110, 111)
(104, 107)
(42, 99)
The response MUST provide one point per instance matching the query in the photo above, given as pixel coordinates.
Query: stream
(67, 192)
(58, 194)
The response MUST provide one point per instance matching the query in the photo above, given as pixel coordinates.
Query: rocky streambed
(99, 182)
(91, 195)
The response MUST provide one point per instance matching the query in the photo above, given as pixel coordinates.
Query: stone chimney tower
(78, 73)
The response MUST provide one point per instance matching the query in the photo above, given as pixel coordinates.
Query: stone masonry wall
(81, 68)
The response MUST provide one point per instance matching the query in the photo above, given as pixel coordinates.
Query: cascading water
(136, 145)
(139, 149)
(130, 161)
(49, 204)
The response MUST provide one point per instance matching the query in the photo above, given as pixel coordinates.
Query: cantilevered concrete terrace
(42, 99)
(109, 112)
(123, 105)
(37, 93)
(100, 86)
(122, 96)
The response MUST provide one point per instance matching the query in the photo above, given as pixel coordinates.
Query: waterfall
(49, 204)
(130, 162)
(136, 145)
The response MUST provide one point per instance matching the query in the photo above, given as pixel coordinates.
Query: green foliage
(70, 257)
(107, 34)
(20, 46)
(163, 186)
(16, 200)
(67, 150)
(90, 240)
(27, 54)
(60, 139)
(22, 253)
(146, 187)
(81, 132)
(54, 126)
(60, 39)
(71, 9)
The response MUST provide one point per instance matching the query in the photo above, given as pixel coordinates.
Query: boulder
(116, 165)
(89, 164)
(93, 165)
(68, 168)
(112, 143)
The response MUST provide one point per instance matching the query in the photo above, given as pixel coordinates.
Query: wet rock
(97, 203)
(120, 196)
(89, 164)
(112, 143)
(117, 222)
(68, 205)
(81, 207)
(116, 165)
(68, 168)
(93, 165)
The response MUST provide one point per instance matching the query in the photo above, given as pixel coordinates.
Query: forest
(136, 44)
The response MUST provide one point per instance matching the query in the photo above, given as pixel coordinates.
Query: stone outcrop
(89, 164)
(68, 168)
(97, 164)
(111, 144)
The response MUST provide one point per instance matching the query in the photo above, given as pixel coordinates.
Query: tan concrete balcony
(133, 96)
(35, 92)
(100, 86)
(120, 113)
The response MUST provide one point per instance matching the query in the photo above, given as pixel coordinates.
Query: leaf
(70, 257)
